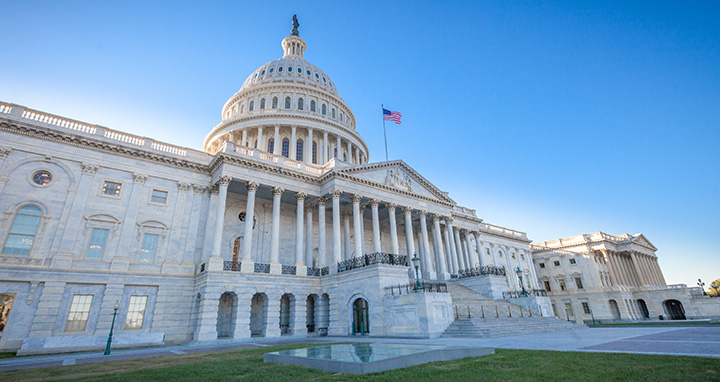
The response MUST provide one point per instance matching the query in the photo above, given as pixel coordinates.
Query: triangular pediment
(640, 239)
(396, 175)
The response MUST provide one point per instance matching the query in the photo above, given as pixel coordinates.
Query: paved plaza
(701, 341)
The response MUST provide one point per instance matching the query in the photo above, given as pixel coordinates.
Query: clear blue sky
(553, 118)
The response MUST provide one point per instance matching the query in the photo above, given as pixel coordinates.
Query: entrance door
(361, 323)
(674, 309)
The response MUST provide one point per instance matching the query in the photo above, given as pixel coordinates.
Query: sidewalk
(676, 340)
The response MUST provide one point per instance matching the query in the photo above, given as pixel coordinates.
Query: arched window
(335, 153)
(271, 145)
(23, 230)
(301, 103)
(275, 103)
(314, 152)
(287, 102)
(299, 150)
(324, 109)
(262, 103)
(242, 108)
(332, 113)
(312, 105)
(286, 148)
(252, 106)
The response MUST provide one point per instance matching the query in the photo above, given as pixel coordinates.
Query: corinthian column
(458, 249)
(277, 145)
(322, 258)
(452, 262)
(376, 225)
(346, 234)
(409, 235)
(308, 235)
(275, 267)
(215, 260)
(301, 268)
(357, 221)
(393, 229)
(247, 265)
(429, 268)
(439, 251)
(337, 253)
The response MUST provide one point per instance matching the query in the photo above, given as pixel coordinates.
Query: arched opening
(258, 315)
(311, 313)
(237, 245)
(674, 309)
(332, 113)
(299, 150)
(287, 102)
(262, 103)
(286, 148)
(643, 308)
(314, 152)
(312, 105)
(252, 106)
(225, 319)
(242, 108)
(361, 322)
(286, 313)
(275, 103)
(323, 316)
(271, 145)
(323, 109)
(614, 310)
(301, 104)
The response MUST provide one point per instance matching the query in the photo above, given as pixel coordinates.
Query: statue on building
(295, 25)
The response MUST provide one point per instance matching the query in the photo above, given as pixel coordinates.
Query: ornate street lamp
(524, 293)
(701, 284)
(416, 263)
(112, 326)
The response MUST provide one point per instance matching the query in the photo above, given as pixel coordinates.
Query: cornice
(101, 146)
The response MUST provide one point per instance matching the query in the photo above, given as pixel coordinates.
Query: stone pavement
(671, 340)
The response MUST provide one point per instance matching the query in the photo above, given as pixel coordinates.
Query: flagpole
(384, 133)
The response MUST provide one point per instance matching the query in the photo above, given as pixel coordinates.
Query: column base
(301, 269)
(443, 276)
(247, 266)
(332, 269)
(214, 264)
(429, 275)
(275, 268)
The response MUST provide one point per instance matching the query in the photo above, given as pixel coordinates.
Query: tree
(714, 289)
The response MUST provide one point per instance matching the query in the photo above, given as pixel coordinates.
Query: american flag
(391, 116)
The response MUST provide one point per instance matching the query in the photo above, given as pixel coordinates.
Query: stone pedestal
(535, 304)
(488, 285)
(417, 315)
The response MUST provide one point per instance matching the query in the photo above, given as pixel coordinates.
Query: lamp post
(524, 293)
(112, 326)
(701, 284)
(416, 263)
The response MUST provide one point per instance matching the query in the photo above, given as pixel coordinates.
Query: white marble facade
(120, 217)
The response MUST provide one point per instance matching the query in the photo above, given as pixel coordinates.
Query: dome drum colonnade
(265, 112)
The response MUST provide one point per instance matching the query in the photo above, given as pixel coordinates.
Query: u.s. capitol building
(280, 226)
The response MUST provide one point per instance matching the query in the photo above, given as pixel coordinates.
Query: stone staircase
(480, 316)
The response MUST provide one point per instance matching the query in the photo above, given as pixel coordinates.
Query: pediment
(640, 239)
(399, 176)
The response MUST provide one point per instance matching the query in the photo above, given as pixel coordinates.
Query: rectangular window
(578, 283)
(96, 244)
(159, 197)
(562, 284)
(149, 247)
(111, 188)
(6, 303)
(569, 310)
(572, 261)
(79, 312)
(586, 307)
(556, 263)
(541, 265)
(547, 286)
(136, 312)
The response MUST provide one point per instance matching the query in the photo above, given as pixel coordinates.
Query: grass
(7, 355)
(505, 365)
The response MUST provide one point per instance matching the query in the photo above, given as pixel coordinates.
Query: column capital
(336, 194)
(139, 178)
(407, 210)
(356, 198)
(277, 125)
(182, 186)
(346, 214)
(293, 127)
(89, 168)
(252, 186)
(391, 207)
(423, 213)
(309, 207)
(214, 189)
(362, 209)
(277, 191)
(448, 220)
(436, 219)
(321, 201)
(199, 188)
(223, 181)
(300, 196)
(374, 203)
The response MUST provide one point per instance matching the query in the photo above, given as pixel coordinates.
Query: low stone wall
(417, 315)
(62, 344)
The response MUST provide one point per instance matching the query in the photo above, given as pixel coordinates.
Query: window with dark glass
(286, 148)
(252, 106)
(312, 105)
(275, 103)
(42, 178)
(111, 188)
(299, 150)
(22, 231)
(262, 103)
(287, 102)
(271, 145)
(314, 152)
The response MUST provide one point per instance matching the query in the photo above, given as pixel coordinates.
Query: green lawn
(656, 323)
(505, 365)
